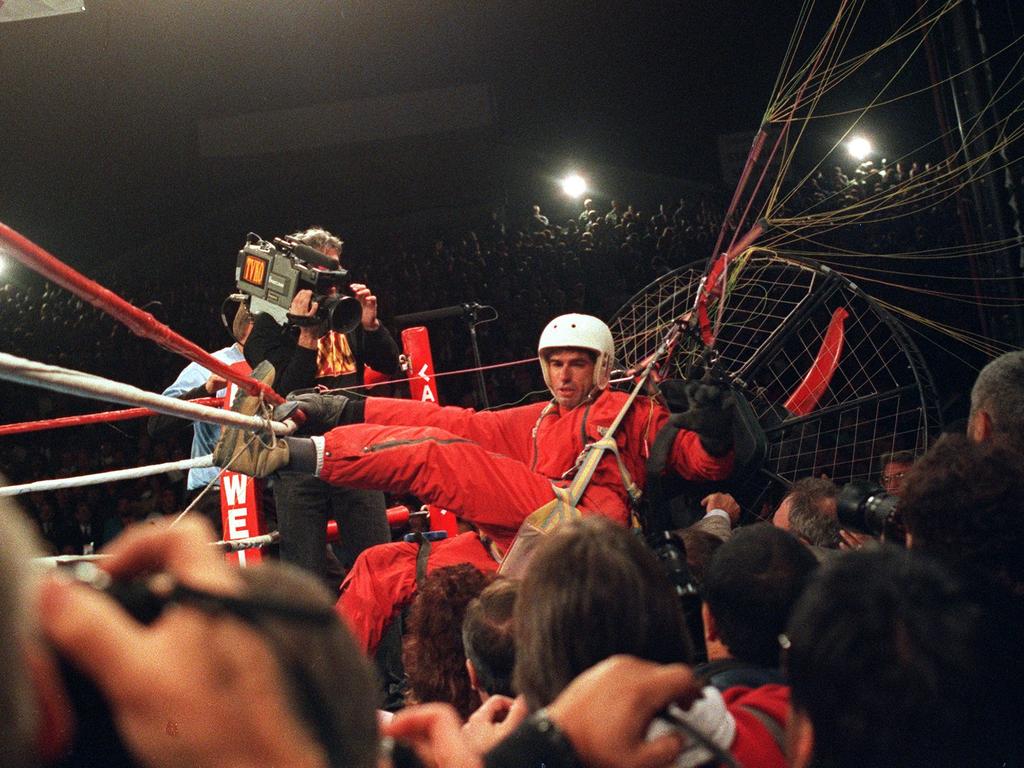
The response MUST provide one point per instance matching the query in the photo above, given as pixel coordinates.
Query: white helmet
(579, 332)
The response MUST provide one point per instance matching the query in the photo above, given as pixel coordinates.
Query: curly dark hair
(885, 657)
(433, 654)
(963, 503)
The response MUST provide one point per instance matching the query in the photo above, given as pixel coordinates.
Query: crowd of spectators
(81, 520)
(905, 205)
(534, 268)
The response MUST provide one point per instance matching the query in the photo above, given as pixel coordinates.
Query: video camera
(272, 273)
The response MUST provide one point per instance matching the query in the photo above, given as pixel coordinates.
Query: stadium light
(574, 185)
(859, 148)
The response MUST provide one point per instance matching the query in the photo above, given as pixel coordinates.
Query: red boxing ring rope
(140, 323)
(84, 419)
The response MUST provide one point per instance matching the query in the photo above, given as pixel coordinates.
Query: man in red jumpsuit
(491, 468)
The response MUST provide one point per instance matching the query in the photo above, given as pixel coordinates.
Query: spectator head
(332, 688)
(432, 652)
(593, 590)
(884, 666)
(31, 712)
(168, 502)
(700, 547)
(749, 591)
(320, 239)
(964, 504)
(997, 402)
(489, 640)
(894, 468)
(809, 512)
(46, 510)
(83, 513)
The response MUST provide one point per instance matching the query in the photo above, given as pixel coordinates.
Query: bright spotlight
(858, 147)
(574, 185)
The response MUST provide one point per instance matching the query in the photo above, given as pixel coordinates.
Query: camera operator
(309, 356)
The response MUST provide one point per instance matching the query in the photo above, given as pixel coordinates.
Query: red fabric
(438, 467)
(503, 474)
(383, 579)
(492, 468)
(754, 745)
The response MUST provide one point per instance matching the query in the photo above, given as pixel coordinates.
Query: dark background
(101, 109)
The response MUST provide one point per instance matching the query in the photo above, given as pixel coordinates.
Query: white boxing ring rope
(234, 545)
(132, 473)
(82, 384)
(71, 382)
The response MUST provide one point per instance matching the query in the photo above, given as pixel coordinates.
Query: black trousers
(305, 504)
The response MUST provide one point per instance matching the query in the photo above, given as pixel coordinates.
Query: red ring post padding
(396, 516)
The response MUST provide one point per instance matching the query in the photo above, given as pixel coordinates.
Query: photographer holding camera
(227, 677)
(308, 352)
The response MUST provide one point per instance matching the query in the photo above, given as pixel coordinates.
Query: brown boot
(245, 452)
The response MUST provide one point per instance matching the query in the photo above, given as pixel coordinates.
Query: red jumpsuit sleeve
(689, 460)
(507, 432)
(753, 743)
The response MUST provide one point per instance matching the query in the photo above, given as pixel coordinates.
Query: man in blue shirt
(194, 382)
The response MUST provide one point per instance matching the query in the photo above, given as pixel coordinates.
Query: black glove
(322, 412)
(674, 393)
(709, 413)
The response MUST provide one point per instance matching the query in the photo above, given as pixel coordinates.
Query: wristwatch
(537, 743)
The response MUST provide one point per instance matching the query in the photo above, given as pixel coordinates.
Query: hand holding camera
(171, 685)
(368, 302)
(302, 313)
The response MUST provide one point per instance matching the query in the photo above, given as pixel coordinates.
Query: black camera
(867, 506)
(272, 273)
